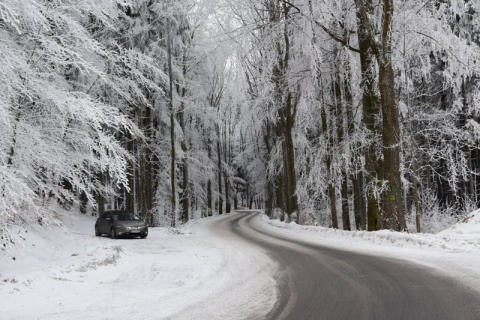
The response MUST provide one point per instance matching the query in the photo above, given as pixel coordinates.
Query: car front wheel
(113, 234)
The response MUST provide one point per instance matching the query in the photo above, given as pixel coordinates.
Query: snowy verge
(187, 273)
(454, 252)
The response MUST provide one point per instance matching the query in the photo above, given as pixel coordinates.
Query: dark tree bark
(100, 198)
(172, 132)
(269, 180)
(185, 198)
(226, 157)
(357, 202)
(392, 213)
(340, 115)
(83, 202)
(209, 198)
(228, 205)
(356, 176)
(284, 100)
(331, 185)
(371, 113)
(130, 195)
(219, 176)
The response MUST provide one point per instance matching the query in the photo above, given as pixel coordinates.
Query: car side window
(103, 216)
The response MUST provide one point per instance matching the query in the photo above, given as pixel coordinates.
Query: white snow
(172, 274)
(192, 272)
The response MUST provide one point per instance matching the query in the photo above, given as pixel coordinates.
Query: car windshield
(126, 217)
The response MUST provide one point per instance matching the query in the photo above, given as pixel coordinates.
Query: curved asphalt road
(318, 282)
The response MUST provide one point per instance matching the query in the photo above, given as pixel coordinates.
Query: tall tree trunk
(287, 110)
(226, 157)
(142, 167)
(412, 147)
(149, 176)
(184, 164)
(209, 198)
(289, 160)
(371, 112)
(345, 207)
(219, 175)
(279, 193)
(393, 215)
(172, 132)
(340, 106)
(83, 202)
(357, 202)
(100, 198)
(185, 189)
(331, 185)
(228, 205)
(129, 195)
(269, 179)
(209, 183)
(355, 176)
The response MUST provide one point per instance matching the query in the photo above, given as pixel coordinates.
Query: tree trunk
(289, 161)
(142, 167)
(130, 195)
(172, 132)
(184, 164)
(228, 205)
(147, 174)
(100, 197)
(371, 112)
(357, 202)
(393, 215)
(209, 198)
(345, 208)
(331, 186)
(269, 180)
(279, 193)
(219, 164)
(279, 12)
(185, 188)
(83, 202)
(341, 128)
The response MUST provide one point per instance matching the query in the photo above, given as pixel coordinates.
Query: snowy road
(319, 282)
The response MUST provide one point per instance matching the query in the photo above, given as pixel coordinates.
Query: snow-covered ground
(190, 273)
(172, 274)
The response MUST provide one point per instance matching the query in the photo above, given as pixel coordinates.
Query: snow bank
(469, 225)
(445, 240)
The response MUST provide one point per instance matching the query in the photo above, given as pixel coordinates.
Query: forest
(349, 114)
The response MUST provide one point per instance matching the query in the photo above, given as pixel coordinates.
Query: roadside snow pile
(469, 225)
(462, 237)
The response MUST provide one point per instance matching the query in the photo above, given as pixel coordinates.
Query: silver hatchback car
(118, 223)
